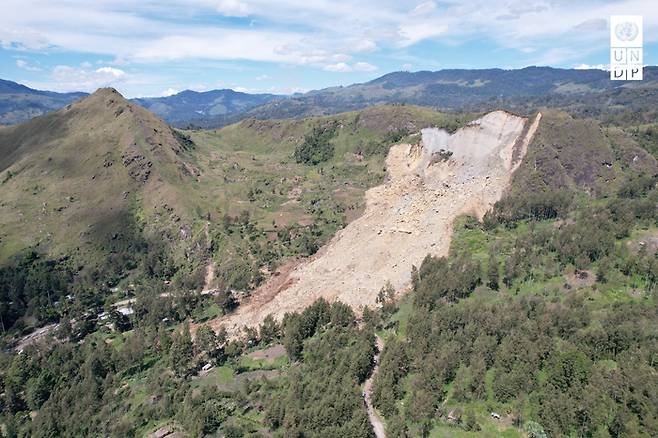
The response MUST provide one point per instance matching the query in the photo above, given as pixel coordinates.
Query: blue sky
(154, 48)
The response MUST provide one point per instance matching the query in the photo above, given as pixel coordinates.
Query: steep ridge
(82, 177)
(408, 217)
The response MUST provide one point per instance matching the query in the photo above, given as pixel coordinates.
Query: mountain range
(19, 103)
(462, 90)
(215, 107)
(584, 92)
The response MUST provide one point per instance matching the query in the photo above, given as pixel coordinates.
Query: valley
(328, 219)
(259, 278)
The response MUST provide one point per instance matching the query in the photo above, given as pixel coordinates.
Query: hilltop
(80, 179)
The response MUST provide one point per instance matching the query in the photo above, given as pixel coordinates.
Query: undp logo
(626, 54)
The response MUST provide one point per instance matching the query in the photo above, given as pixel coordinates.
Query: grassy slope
(256, 154)
(88, 179)
(578, 154)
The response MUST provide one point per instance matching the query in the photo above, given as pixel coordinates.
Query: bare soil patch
(406, 218)
(646, 242)
(580, 278)
(269, 353)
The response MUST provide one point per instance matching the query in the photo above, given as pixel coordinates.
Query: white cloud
(67, 78)
(20, 38)
(262, 77)
(218, 45)
(169, 92)
(413, 33)
(605, 67)
(232, 8)
(339, 67)
(364, 45)
(340, 57)
(110, 72)
(423, 8)
(318, 33)
(364, 66)
(23, 64)
(343, 67)
(407, 67)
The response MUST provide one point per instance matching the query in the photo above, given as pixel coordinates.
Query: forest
(554, 358)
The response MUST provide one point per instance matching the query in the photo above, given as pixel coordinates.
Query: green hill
(83, 178)
(106, 192)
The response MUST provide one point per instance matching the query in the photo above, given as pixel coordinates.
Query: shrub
(317, 146)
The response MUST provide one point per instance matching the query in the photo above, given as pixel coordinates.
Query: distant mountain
(203, 108)
(581, 92)
(19, 103)
(473, 90)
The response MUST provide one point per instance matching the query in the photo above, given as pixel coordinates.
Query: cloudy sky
(159, 47)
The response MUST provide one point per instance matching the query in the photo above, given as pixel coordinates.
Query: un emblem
(627, 31)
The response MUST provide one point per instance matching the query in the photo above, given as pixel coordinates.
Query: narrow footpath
(377, 424)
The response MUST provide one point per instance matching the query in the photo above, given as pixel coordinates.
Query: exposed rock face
(408, 217)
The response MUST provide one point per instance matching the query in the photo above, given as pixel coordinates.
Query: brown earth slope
(405, 219)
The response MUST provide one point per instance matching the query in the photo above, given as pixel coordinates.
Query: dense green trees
(564, 363)
(269, 330)
(381, 147)
(439, 278)
(31, 286)
(321, 398)
(556, 353)
(388, 385)
(317, 147)
(538, 205)
(299, 326)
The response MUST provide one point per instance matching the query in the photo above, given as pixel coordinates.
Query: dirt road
(376, 422)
